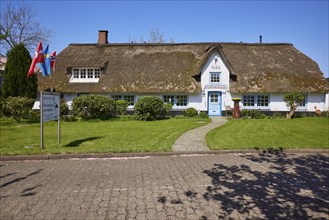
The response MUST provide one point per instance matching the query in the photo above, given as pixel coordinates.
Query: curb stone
(152, 154)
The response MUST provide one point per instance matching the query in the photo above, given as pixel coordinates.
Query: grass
(93, 137)
(270, 133)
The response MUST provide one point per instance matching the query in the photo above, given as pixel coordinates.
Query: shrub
(166, 109)
(68, 118)
(93, 107)
(190, 112)
(64, 108)
(33, 116)
(254, 114)
(122, 106)
(203, 115)
(149, 108)
(18, 107)
(276, 115)
(325, 114)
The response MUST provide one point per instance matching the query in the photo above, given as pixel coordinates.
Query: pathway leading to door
(195, 140)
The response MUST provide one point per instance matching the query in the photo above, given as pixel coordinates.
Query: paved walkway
(227, 186)
(195, 140)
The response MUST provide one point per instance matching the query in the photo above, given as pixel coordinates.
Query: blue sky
(302, 23)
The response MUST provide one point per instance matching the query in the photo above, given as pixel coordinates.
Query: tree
(17, 25)
(154, 37)
(293, 100)
(15, 81)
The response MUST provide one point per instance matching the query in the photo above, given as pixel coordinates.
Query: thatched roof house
(177, 68)
(151, 68)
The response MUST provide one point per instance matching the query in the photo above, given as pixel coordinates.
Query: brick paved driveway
(229, 186)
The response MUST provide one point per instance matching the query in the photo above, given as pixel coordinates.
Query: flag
(47, 60)
(38, 58)
(53, 60)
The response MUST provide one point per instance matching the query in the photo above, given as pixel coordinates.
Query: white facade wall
(327, 102)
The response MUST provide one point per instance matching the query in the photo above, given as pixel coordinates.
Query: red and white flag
(38, 58)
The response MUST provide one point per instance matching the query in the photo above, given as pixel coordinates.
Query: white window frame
(175, 101)
(256, 100)
(84, 75)
(124, 97)
(214, 76)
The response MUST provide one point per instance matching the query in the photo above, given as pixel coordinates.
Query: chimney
(102, 37)
(260, 39)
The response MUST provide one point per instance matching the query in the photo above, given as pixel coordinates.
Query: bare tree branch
(18, 25)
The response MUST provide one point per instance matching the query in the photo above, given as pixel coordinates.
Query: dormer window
(83, 74)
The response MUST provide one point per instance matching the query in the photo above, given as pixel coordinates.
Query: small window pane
(170, 99)
(262, 100)
(214, 98)
(83, 73)
(214, 77)
(97, 73)
(181, 100)
(248, 100)
(90, 73)
(76, 73)
(130, 99)
(116, 97)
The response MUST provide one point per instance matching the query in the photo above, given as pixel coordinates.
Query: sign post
(49, 111)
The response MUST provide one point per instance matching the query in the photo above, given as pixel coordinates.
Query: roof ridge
(177, 44)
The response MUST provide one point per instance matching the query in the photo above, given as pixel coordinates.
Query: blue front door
(214, 103)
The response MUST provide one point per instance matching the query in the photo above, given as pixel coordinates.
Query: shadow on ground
(77, 143)
(293, 188)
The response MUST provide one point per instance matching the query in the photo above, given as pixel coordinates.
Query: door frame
(220, 101)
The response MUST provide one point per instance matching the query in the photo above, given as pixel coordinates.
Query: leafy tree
(293, 100)
(15, 81)
(18, 25)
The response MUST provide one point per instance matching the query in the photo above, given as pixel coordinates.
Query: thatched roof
(175, 68)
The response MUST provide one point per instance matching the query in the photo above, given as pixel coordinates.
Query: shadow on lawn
(76, 143)
(292, 188)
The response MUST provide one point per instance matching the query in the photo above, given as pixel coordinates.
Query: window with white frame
(130, 99)
(214, 77)
(250, 100)
(85, 74)
(181, 100)
(116, 97)
(262, 100)
(76, 73)
(175, 100)
(90, 73)
(97, 73)
(170, 99)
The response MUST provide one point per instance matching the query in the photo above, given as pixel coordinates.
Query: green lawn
(93, 137)
(267, 133)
